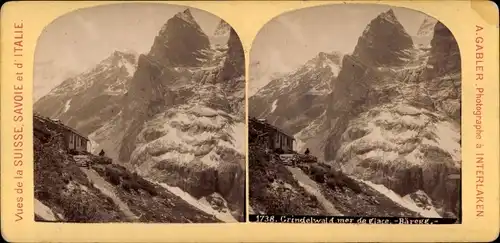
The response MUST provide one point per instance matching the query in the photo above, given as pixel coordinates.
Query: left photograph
(139, 116)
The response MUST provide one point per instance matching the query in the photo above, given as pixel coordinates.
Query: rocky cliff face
(384, 42)
(406, 149)
(180, 117)
(180, 45)
(444, 54)
(425, 145)
(180, 41)
(186, 131)
(392, 114)
(234, 63)
(443, 73)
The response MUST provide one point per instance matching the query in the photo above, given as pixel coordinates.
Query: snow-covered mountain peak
(223, 29)
(130, 56)
(120, 59)
(220, 36)
(427, 27)
(121, 65)
(331, 60)
(422, 38)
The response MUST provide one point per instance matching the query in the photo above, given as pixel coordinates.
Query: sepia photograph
(139, 116)
(355, 111)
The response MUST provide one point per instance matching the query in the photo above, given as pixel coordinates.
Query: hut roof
(60, 124)
(264, 122)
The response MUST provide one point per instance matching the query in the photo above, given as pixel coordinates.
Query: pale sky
(79, 40)
(293, 38)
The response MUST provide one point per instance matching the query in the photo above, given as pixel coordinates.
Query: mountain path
(312, 188)
(108, 190)
(205, 207)
(43, 211)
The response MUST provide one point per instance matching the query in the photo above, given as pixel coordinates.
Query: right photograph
(355, 112)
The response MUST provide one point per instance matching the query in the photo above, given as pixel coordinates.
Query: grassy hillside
(101, 191)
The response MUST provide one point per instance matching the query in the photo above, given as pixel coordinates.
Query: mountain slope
(290, 103)
(87, 100)
(100, 192)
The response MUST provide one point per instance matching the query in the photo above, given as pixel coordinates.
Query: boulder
(82, 160)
